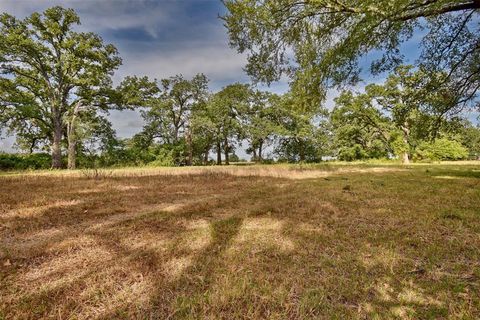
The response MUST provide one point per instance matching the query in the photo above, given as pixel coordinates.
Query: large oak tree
(49, 73)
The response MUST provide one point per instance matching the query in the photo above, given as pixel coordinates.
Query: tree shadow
(175, 299)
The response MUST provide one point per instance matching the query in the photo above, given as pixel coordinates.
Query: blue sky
(163, 38)
(155, 38)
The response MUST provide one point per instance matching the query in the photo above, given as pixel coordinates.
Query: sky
(155, 38)
(161, 39)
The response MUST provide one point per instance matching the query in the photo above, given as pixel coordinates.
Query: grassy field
(276, 242)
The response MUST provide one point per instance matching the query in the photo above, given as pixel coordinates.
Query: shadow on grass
(323, 273)
(185, 296)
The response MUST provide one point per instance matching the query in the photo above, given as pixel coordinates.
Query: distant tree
(416, 109)
(168, 117)
(397, 115)
(303, 135)
(360, 130)
(204, 130)
(96, 137)
(318, 43)
(260, 122)
(51, 74)
(469, 136)
(225, 109)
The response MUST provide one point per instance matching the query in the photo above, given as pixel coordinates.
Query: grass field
(276, 242)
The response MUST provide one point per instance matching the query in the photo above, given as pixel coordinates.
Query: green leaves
(47, 69)
(318, 43)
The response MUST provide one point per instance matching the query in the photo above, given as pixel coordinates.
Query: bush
(26, 161)
(441, 149)
(353, 153)
(164, 158)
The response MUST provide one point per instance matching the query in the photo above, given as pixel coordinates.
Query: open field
(276, 242)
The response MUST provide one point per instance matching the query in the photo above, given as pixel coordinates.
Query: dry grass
(276, 242)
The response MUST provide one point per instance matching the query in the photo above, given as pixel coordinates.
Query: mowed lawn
(273, 242)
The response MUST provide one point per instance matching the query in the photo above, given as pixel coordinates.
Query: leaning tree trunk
(302, 151)
(72, 152)
(56, 144)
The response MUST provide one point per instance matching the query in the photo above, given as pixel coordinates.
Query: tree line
(56, 90)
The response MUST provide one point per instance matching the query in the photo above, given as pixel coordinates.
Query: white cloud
(100, 15)
(216, 62)
(179, 37)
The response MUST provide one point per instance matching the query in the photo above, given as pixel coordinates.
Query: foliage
(441, 149)
(24, 161)
(470, 138)
(56, 89)
(164, 158)
(261, 123)
(319, 43)
(302, 134)
(169, 114)
(394, 117)
(51, 73)
(360, 130)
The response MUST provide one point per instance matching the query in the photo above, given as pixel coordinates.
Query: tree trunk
(56, 144)
(72, 138)
(72, 144)
(254, 154)
(190, 148)
(302, 152)
(260, 147)
(205, 159)
(406, 134)
(219, 153)
(405, 158)
(225, 146)
(72, 151)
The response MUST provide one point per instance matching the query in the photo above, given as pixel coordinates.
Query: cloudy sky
(155, 38)
(160, 39)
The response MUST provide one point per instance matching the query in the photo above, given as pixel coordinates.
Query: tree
(178, 98)
(95, 138)
(360, 130)
(50, 73)
(260, 122)
(169, 113)
(414, 107)
(318, 43)
(205, 129)
(303, 134)
(225, 109)
(399, 114)
(468, 135)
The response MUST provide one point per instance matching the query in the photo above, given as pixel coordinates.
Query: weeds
(97, 174)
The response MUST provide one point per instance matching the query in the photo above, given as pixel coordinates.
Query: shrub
(441, 149)
(25, 161)
(164, 158)
(353, 153)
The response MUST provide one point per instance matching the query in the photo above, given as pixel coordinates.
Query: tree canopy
(56, 88)
(318, 43)
(49, 73)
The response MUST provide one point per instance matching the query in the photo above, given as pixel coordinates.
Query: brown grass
(276, 242)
